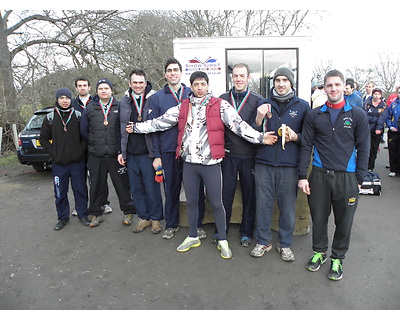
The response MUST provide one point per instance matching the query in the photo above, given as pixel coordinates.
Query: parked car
(29, 151)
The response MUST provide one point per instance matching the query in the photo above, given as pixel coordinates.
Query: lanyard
(108, 110)
(139, 107)
(69, 117)
(175, 94)
(239, 107)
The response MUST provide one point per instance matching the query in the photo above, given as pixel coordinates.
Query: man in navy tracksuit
(276, 166)
(164, 147)
(60, 137)
(240, 154)
(337, 134)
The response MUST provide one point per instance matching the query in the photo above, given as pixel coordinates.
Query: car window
(35, 122)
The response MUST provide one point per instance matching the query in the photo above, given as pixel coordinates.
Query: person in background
(393, 124)
(337, 136)
(201, 121)
(318, 98)
(350, 94)
(375, 109)
(60, 137)
(98, 127)
(136, 152)
(368, 91)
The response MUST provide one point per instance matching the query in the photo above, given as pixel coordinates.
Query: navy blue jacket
(292, 113)
(159, 103)
(376, 115)
(343, 147)
(393, 115)
(235, 145)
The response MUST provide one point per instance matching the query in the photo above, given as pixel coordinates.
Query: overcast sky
(355, 37)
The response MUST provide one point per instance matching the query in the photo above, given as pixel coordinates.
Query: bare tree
(386, 72)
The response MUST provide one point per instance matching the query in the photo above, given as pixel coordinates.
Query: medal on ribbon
(106, 113)
(69, 117)
(138, 106)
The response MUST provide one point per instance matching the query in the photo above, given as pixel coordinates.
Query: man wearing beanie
(60, 137)
(276, 165)
(98, 127)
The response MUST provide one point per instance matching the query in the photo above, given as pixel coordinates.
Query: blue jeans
(146, 192)
(275, 184)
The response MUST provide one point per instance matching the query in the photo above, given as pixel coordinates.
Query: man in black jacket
(98, 127)
(79, 103)
(60, 137)
(240, 155)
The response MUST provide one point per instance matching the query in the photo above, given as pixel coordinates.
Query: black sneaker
(60, 224)
(336, 272)
(318, 259)
(85, 221)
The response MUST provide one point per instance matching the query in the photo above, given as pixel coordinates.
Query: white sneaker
(286, 254)
(106, 209)
(392, 174)
(188, 243)
(74, 213)
(201, 233)
(170, 232)
(223, 246)
(259, 250)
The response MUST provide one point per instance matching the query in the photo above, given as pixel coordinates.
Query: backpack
(50, 116)
(371, 184)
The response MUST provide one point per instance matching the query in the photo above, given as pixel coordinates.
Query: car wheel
(41, 167)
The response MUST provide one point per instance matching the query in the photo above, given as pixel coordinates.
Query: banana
(282, 133)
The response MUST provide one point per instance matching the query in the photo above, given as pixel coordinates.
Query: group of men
(209, 144)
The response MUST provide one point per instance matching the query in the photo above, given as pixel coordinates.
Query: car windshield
(35, 122)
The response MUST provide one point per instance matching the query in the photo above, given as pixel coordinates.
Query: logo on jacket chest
(347, 122)
(292, 113)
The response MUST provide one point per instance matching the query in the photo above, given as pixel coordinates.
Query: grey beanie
(284, 71)
(106, 81)
(63, 92)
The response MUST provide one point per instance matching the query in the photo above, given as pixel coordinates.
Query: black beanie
(106, 81)
(63, 92)
(286, 72)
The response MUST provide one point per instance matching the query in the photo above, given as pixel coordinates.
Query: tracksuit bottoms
(338, 191)
(193, 175)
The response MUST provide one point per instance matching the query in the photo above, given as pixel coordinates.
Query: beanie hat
(63, 92)
(377, 90)
(286, 72)
(106, 81)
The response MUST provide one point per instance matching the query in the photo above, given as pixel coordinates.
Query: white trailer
(217, 55)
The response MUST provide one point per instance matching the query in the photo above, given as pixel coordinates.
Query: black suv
(29, 150)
